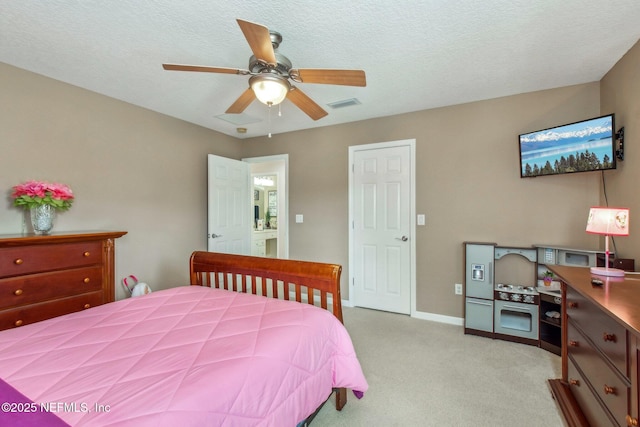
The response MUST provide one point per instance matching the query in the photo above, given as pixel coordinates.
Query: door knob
(403, 238)
(214, 235)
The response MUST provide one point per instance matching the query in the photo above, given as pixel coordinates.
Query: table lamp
(608, 222)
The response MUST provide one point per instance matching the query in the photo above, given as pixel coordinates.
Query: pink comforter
(186, 356)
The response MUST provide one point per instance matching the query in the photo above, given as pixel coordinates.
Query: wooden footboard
(311, 282)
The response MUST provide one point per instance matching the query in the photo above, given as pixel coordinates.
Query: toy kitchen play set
(527, 311)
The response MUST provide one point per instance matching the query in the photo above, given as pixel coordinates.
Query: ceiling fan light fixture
(270, 89)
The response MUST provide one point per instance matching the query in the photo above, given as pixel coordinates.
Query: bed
(252, 341)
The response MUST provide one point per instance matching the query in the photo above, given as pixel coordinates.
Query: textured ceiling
(417, 54)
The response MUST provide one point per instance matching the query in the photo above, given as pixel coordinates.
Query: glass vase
(42, 217)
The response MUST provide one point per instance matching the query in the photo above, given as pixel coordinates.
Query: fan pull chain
(269, 120)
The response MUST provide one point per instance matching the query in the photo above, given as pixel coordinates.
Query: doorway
(382, 226)
(269, 194)
(232, 222)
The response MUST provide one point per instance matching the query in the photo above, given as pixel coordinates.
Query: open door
(229, 206)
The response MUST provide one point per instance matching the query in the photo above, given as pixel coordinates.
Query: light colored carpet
(423, 373)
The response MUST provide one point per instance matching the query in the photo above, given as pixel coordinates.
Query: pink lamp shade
(608, 222)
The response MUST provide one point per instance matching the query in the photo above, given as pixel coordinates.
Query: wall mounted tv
(588, 145)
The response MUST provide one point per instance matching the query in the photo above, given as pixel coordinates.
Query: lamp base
(612, 272)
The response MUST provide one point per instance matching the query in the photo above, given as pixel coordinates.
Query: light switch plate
(421, 219)
(299, 219)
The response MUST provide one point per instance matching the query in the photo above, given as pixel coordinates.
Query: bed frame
(311, 282)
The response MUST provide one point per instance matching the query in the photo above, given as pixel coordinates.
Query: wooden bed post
(341, 398)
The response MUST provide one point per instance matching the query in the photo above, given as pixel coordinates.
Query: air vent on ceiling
(344, 103)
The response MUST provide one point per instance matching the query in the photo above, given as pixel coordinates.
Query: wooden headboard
(276, 278)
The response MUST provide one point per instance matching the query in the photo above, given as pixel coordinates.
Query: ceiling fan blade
(329, 77)
(259, 40)
(203, 69)
(306, 104)
(242, 102)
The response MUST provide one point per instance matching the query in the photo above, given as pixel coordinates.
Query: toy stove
(516, 312)
(516, 293)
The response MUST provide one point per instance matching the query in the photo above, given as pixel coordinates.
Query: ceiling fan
(271, 71)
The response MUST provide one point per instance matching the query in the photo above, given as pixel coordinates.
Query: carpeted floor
(424, 373)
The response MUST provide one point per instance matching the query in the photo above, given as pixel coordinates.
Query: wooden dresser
(600, 349)
(48, 276)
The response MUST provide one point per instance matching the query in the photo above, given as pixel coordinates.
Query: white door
(229, 206)
(382, 228)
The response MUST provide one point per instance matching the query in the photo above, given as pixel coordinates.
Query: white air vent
(344, 103)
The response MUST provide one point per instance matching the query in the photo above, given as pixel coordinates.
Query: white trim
(423, 315)
(450, 320)
(412, 191)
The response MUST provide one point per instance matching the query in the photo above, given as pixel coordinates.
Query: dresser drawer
(589, 403)
(606, 333)
(36, 312)
(32, 259)
(41, 287)
(607, 384)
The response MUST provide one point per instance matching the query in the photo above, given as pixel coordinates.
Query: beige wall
(143, 172)
(468, 184)
(620, 94)
(131, 169)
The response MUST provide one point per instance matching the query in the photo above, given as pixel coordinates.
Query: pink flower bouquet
(35, 193)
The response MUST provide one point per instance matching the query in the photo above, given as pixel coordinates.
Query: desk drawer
(36, 312)
(37, 258)
(589, 403)
(606, 333)
(41, 287)
(607, 384)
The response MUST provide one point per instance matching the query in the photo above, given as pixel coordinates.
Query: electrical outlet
(458, 288)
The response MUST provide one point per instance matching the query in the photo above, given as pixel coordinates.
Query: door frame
(283, 188)
(412, 214)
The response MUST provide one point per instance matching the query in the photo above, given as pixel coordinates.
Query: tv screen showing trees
(584, 146)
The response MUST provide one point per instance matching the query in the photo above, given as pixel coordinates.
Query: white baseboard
(458, 321)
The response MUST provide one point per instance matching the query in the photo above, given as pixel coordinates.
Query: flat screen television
(588, 145)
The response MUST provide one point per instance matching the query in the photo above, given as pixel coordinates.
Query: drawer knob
(18, 323)
(631, 422)
(86, 280)
(573, 304)
(18, 261)
(87, 306)
(609, 390)
(574, 382)
(17, 292)
(86, 253)
(573, 343)
(609, 337)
